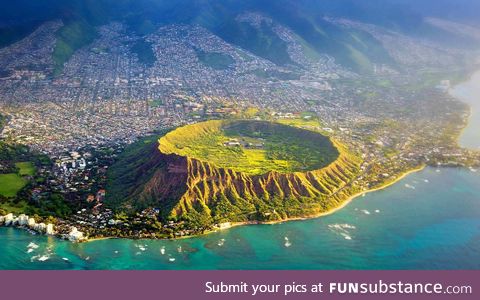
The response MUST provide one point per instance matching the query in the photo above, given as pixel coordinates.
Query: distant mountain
(307, 19)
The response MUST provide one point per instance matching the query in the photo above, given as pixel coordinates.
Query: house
(90, 198)
(101, 195)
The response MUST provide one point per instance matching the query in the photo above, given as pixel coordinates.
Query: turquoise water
(434, 226)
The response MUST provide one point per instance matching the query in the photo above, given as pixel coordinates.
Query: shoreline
(342, 205)
(315, 216)
(334, 210)
(470, 105)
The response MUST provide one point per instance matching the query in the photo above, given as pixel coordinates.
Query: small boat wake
(44, 258)
(408, 186)
(40, 257)
(342, 230)
(32, 245)
(142, 248)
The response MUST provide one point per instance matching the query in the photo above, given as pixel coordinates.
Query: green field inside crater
(252, 147)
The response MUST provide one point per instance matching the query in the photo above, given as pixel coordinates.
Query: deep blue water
(434, 226)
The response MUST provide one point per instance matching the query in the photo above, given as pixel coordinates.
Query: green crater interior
(251, 147)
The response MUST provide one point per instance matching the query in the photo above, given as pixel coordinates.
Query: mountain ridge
(184, 187)
(357, 50)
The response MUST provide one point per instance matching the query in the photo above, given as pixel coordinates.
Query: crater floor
(251, 147)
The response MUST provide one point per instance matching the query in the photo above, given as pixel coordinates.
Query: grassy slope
(127, 174)
(215, 60)
(262, 42)
(72, 36)
(144, 52)
(25, 168)
(11, 184)
(351, 48)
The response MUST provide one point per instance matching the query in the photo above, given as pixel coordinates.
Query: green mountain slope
(353, 49)
(262, 42)
(201, 191)
(71, 37)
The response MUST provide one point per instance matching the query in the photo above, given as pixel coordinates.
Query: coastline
(332, 211)
(467, 121)
(236, 248)
(472, 109)
(342, 205)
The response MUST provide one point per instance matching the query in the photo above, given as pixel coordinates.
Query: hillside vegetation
(71, 37)
(201, 192)
(354, 49)
(144, 52)
(215, 60)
